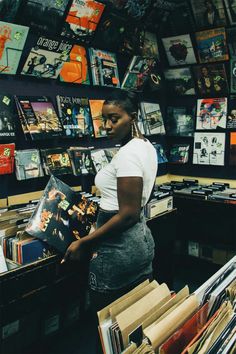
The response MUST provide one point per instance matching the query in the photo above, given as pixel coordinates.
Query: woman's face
(117, 121)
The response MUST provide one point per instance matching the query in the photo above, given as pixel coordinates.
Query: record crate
(37, 299)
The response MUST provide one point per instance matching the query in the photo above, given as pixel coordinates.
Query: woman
(122, 245)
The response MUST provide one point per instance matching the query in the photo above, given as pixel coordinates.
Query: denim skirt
(123, 258)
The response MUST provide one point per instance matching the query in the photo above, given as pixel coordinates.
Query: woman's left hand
(77, 251)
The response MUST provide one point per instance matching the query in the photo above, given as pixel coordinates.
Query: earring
(134, 130)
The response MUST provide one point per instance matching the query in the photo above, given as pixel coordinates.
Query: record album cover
(97, 119)
(39, 117)
(7, 158)
(161, 155)
(231, 10)
(233, 75)
(211, 80)
(209, 149)
(12, 39)
(7, 117)
(56, 161)
(81, 160)
(179, 153)
(142, 73)
(104, 68)
(75, 116)
(211, 45)
(211, 113)
(209, 14)
(46, 58)
(75, 70)
(9, 9)
(179, 81)
(179, 50)
(46, 15)
(232, 149)
(152, 118)
(180, 121)
(231, 114)
(50, 220)
(82, 20)
(28, 164)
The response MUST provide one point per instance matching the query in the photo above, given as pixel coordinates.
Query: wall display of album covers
(232, 149)
(231, 115)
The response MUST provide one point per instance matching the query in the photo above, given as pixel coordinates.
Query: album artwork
(179, 81)
(152, 118)
(56, 161)
(231, 10)
(179, 50)
(99, 159)
(7, 158)
(231, 115)
(7, 115)
(28, 164)
(142, 73)
(232, 149)
(161, 155)
(81, 160)
(75, 116)
(82, 20)
(211, 45)
(233, 75)
(110, 31)
(9, 9)
(211, 80)
(209, 149)
(136, 9)
(180, 121)
(136, 40)
(209, 14)
(104, 68)
(46, 58)
(12, 39)
(38, 117)
(180, 19)
(211, 113)
(231, 40)
(75, 70)
(62, 215)
(46, 15)
(179, 153)
(97, 119)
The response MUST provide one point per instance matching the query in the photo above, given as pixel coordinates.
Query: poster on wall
(211, 45)
(211, 113)
(179, 50)
(209, 149)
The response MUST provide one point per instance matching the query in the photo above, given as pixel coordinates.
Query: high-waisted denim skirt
(123, 258)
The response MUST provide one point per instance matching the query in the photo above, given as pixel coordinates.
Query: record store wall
(119, 30)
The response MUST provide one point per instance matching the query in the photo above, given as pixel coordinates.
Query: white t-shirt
(137, 158)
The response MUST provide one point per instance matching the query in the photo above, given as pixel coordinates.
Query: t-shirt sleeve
(128, 164)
